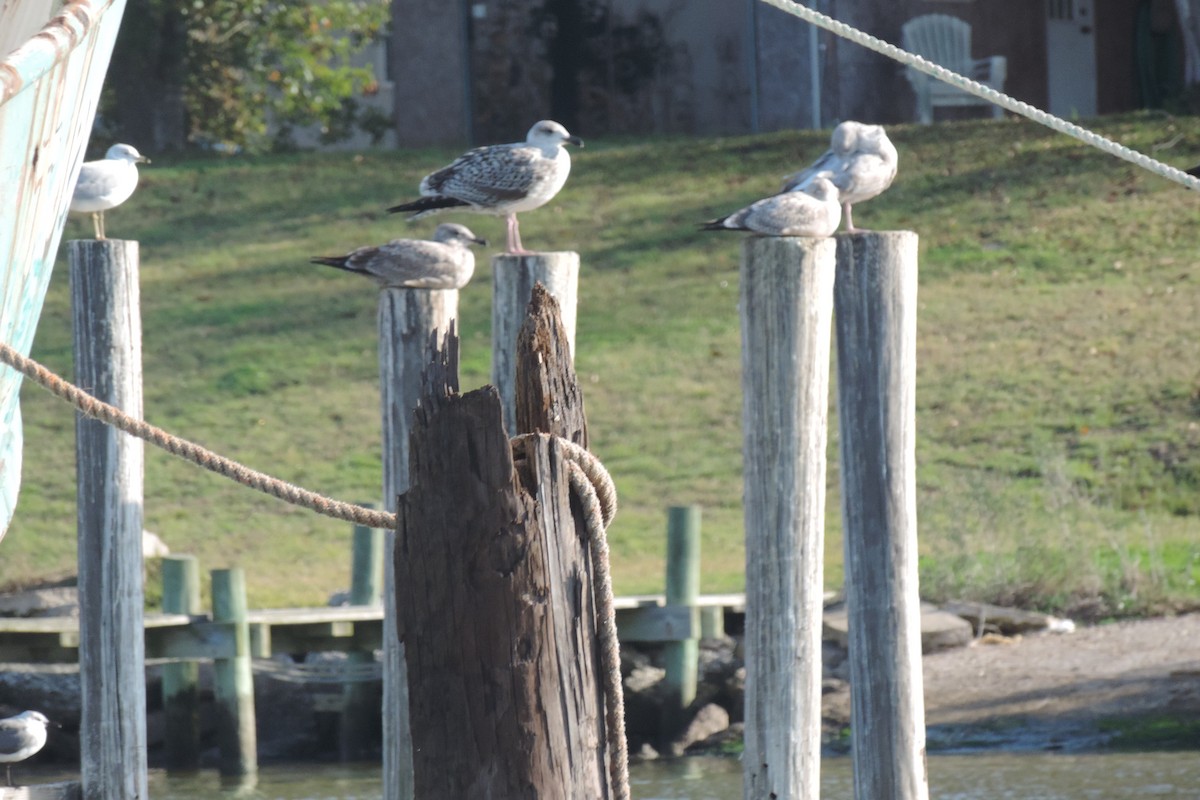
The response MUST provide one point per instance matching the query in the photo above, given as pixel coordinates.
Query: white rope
(986, 92)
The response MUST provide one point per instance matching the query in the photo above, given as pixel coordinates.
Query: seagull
(20, 737)
(444, 263)
(501, 179)
(813, 211)
(107, 183)
(861, 162)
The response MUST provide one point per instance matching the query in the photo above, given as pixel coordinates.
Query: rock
(45, 601)
(153, 546)
(987, 618)
(939, 630)
(708, 720)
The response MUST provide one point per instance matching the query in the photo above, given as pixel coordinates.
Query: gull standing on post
(501, 179)
(813, 211)
(20, 737)
(444, 263)
(107, 183)
(861, 162)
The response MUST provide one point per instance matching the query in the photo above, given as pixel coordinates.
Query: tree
(242, 73)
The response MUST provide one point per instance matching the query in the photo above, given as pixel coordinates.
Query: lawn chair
(946, 41)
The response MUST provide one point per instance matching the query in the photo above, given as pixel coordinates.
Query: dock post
(360, 719)
(683, 589)
(181, 679)
(233, 681)
(109, 474)
(513, 278)
(876, 308)
(409, 320)
(786, 309)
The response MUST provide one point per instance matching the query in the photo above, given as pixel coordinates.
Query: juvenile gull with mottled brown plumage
(444, 263)
(501, 179)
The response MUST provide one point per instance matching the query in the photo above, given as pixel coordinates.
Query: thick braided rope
(986, 92)
(598, 496)
(190, 451)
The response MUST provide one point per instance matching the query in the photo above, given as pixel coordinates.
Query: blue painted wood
(49, 88)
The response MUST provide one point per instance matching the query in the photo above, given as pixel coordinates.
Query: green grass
(1058, 356)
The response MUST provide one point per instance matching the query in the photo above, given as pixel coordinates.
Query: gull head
(549, 134)
(125, 152)
(822, 189)
(453, 233)
(36, 717)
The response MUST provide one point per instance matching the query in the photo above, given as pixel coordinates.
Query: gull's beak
(143, 160)
(480, 242)
(575, 140)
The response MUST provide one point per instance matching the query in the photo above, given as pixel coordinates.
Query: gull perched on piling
(501, 179)
(861, 162)
(20, 737)
(107, 183)
(444, 263)
(814, 211)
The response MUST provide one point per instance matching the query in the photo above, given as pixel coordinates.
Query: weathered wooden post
(233, 680)
(494, 600)
(876, 308)
(786, 306)
(513, 279)
(409, 321)
(108, 361)
(681, 659)
(360, 719)
(181, 679)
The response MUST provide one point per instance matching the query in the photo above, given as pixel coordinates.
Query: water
(993, 776)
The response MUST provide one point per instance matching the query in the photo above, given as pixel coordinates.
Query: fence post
(409, 321)
(108, 361)
(233, 680)
(786, 306)
(513, 278)
(360, 722)
(683, 589)
(876, 309)
(181, 679)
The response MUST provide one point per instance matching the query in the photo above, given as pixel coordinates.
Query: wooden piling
(786, 306)
(233, 681)
(681, 659)
(409, 321)
(181, 679)
(507, 704)
(876, 310)
(65, 790)
(360, 718)
(109, 469)
(513, 279)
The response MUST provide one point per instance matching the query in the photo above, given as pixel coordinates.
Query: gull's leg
(96, 225)
(514, 236)
(849, 219)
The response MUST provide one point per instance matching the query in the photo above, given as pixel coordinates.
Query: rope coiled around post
(598, 497)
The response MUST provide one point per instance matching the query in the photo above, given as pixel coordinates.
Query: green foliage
(255, 64)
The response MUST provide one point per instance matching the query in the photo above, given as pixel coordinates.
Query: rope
(986, 92)
(598, 496)
(190, 451)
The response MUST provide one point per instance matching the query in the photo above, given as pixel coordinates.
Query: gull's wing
(487, 176)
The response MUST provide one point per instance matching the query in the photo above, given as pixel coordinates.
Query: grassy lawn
(1058, 377)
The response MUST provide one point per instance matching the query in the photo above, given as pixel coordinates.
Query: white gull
(861, 162)
(501, 179)
(813, 211)
(107, 183)
(444, 263)
(20, 737)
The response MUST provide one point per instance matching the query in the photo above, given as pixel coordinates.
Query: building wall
(428, 69)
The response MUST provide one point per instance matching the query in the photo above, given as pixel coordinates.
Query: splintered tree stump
(548, 397)
(495, 607)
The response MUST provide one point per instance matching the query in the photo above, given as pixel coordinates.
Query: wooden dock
(180, 637)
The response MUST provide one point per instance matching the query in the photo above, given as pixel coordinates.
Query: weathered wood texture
(786, 309)
(547, 399)
(181, 680)
(513, 279)
(409, 321)
(876, 310)
(66, 790)
(233, 681)
(495, 610)
(109, 464)
(681, 659)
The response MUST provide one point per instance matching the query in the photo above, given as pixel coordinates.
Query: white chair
(946, 41)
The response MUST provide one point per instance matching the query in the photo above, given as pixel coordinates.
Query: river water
(991, 776)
